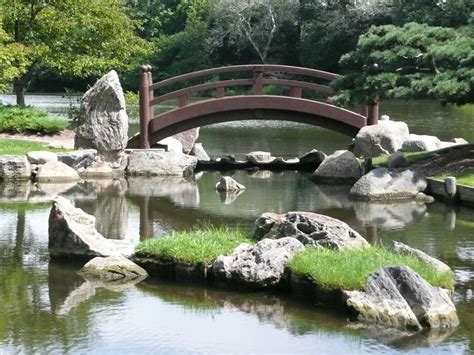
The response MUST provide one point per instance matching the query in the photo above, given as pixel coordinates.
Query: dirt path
(65, 139)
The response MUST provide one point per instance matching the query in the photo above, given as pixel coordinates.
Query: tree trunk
(19, 87)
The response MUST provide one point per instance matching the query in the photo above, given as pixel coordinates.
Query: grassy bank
(350, 269)
(464, 178)
(412, 157)
(21, 147)
(16, 119)
(197, 246)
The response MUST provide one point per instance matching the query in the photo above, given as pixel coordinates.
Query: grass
(16, 119)
(197, 246)
(21, 147)
(412, 157)
(464, 178)
(349, 269)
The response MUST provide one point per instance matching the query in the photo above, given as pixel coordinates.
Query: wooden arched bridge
(221, 108)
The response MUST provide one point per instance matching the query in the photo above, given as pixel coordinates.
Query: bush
(16, 119)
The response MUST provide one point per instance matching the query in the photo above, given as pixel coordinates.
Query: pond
(48, 308)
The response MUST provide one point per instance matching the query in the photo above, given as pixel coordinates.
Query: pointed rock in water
(258, 266)
(187, 139)
(228, 184)
(72, 232)
(111, 268)
(399, 297)
(199, 152)
(309, 228)
(103, 120)
(313, 158)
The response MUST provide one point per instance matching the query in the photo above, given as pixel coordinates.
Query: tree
(79, 38)
(253, 23)
(415, 60)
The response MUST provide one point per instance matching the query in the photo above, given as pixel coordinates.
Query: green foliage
(79, 38)
(15, 119)
(412, 157)
(349, 269)
(202, 245)
(21, 147)
(415, 60)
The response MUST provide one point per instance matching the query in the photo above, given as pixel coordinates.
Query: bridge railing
(257, 81)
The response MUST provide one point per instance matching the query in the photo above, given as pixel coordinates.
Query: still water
(48, 308)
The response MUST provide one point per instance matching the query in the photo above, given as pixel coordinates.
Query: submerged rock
(72, 232)
(309, 228)
(158, 163)
(384, 138)
(258, 266)
(384, 184)
(340, 167)
(227, 183)
(399, 297)
(114, 267)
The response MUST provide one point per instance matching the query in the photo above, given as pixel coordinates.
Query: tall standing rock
(103, 121)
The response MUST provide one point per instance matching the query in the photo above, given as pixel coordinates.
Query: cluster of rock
(72, 234)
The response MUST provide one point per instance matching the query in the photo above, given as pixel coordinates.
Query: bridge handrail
(264, 68)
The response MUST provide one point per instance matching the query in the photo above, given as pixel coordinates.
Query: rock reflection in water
(229, 197)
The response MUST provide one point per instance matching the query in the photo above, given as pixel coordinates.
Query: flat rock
(114, 267)
(159, 163)
(258, 266)
(227, 183)
(103, 120)
(72, 232)
(55, 171)
(340, 167)
(382, 139)
(420, 143)
(309, 228)
(79, 158)
(41, 157)
(399, 297)
(13, 168)
(384, 184)
(259, 157)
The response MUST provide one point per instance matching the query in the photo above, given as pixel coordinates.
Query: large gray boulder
(55, 171)
(340, 167)
(260, 265)
(384, 184)
(397, 160)
(72, 232)
(398, 296)
(103, 120)
(309, 228)
(226, 183)
(199, 152)
(187, 139)
(111, 268)
(158, 163)
(419, 143)
(381, 139)
(13, 168)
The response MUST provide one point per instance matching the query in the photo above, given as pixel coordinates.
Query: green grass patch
(21, 147)
(201, 245)
(16, 119)
(412, 157)
(349, 269)
(464, 178)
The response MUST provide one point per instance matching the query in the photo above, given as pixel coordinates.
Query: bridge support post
(373, 114)
(144, 87)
